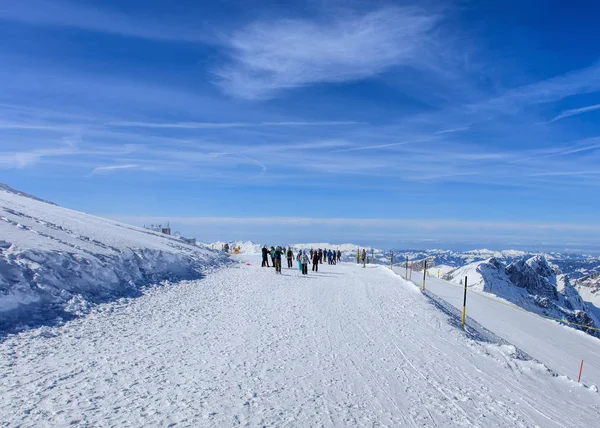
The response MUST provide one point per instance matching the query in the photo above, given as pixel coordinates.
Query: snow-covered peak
(542, 267)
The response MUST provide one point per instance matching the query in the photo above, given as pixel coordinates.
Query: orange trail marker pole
(580, 370)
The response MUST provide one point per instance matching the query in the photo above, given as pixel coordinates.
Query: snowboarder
(364, 257)
(290, 257)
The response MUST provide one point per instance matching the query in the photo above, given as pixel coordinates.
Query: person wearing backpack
(290, 257)
(305, 262)
(277, 259)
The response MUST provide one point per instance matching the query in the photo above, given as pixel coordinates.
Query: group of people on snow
(304, 258)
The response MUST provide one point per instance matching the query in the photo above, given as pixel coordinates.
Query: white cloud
(110, 168)
(25, 159)
(575, 111)
(267, 57)
(581, 81)
(93, 18)
(375, 223)
(212, 125)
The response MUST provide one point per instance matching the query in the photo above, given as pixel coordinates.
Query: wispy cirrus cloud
(580, 81)
(270, 56)
(73, 14)
(110, 168)
(575, 112)
(420, 223)
(216, 125)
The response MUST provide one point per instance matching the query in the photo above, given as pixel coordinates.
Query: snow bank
(56, 263)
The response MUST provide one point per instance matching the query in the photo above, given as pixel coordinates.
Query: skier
(364, 257)
(320, 256)
(272, 255)
(265, 257)
(290, 257)
(329, 255)
(277, 259)
(357, 256)
(339, 255)
(305, 262)
(315, 262)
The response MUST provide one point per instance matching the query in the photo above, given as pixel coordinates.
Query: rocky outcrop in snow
(532, 283)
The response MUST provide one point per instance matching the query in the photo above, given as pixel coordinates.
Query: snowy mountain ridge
(9, 189)
(533, 284)
(56, 263)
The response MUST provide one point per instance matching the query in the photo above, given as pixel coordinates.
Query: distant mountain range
(533, 284)
(574, 265)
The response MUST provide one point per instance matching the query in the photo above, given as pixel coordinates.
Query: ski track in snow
(349, 346)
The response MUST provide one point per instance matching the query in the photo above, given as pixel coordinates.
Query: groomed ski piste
(347, 346)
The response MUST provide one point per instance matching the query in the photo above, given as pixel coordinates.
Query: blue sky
(429, 124)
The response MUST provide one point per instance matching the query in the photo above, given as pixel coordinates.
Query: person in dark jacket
(290, 257)
(339, 255)
(272, 252)
(320, 255)
(315, 262)
(265, 257)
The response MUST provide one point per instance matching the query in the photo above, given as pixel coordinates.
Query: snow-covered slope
(345, 346)
(55, 262)
(589, 288)
(533, 284)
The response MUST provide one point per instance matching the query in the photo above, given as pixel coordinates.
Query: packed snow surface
(56, 263)
(347, 346)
